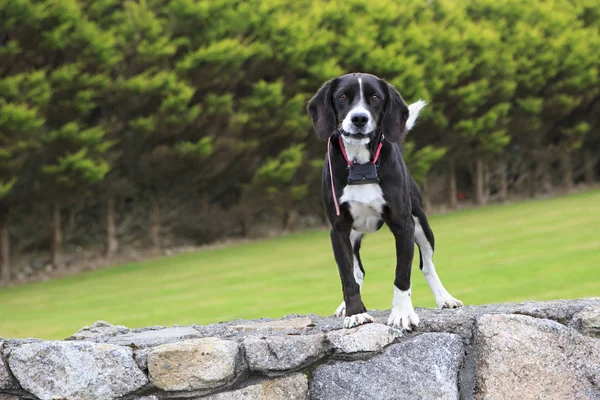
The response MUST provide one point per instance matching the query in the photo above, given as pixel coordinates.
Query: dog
(365, 184)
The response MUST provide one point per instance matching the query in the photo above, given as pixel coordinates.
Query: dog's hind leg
(426, 242)
(359, 272)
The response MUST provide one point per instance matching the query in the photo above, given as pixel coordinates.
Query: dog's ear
(395, 115)
(321, 111)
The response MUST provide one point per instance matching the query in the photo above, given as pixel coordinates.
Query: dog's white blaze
(360, 89)
(366, 205)
(360, 108)
(358, 274)
(413, 113)
(403, 313)
(442, 297)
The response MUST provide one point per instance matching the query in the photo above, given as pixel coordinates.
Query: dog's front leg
(342, 251)
(403, 314)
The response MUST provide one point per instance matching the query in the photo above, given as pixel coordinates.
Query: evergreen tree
(186, 106)
(23, 98)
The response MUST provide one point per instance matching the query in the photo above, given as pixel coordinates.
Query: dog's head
(358, 106)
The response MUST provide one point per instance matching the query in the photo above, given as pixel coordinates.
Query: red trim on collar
(346, 155)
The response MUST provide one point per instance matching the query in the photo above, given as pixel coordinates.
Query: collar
(375, 158)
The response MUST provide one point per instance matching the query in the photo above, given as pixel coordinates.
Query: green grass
(536, 250)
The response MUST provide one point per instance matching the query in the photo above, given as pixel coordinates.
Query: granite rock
(291, 387)
(154, 337)
(365, 338)
(141, 357)
(587, 321)
(98, 330)
(195, 364)
(75, 370)
(5, 380)
(8, 397)
(274, 354)
(520, 357)
(281, 324)
(423, 367)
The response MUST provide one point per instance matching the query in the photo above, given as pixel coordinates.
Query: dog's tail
(413, 113)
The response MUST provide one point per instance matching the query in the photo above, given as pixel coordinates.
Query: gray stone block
(75, 370)
(519, 357)
(156, 337)
(424, 367)
(272, 355)
(8, 397)
(5, 380)
(365, 338)
(587, 321)
(292, 387)
(298, 323)
(98, 330)
(195, 364)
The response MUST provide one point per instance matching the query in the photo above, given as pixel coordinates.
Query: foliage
(420, 161)
(205, 99)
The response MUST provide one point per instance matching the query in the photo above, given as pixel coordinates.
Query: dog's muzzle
(358, 122)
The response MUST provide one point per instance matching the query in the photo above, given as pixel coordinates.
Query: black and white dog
(364, 118)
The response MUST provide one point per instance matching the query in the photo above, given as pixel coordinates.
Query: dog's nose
(360, 120)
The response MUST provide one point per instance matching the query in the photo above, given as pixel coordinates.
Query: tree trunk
(57, 241)
(567, 171)
(112, 243)
(487, 187)
(288, 218)
(243, 227)
(244, 216)
(155, 225)
(589, 167)
(452, 194)
(533, 170)
(285, 218)
(479, 181)
(4, 244)
(544, 170)
(426, 196)
(503, 180)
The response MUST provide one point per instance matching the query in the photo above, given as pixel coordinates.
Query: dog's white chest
(366, 205)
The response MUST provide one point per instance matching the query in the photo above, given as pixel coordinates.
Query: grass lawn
(534, 250)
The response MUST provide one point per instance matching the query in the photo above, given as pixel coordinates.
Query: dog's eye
(375, 98)
(343, 97)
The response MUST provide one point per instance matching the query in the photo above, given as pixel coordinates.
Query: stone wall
(532, 350)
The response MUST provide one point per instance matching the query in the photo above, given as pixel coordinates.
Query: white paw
(403, 318)
(341, 310)
(403, 313)
(447, 301)
(357, 319)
